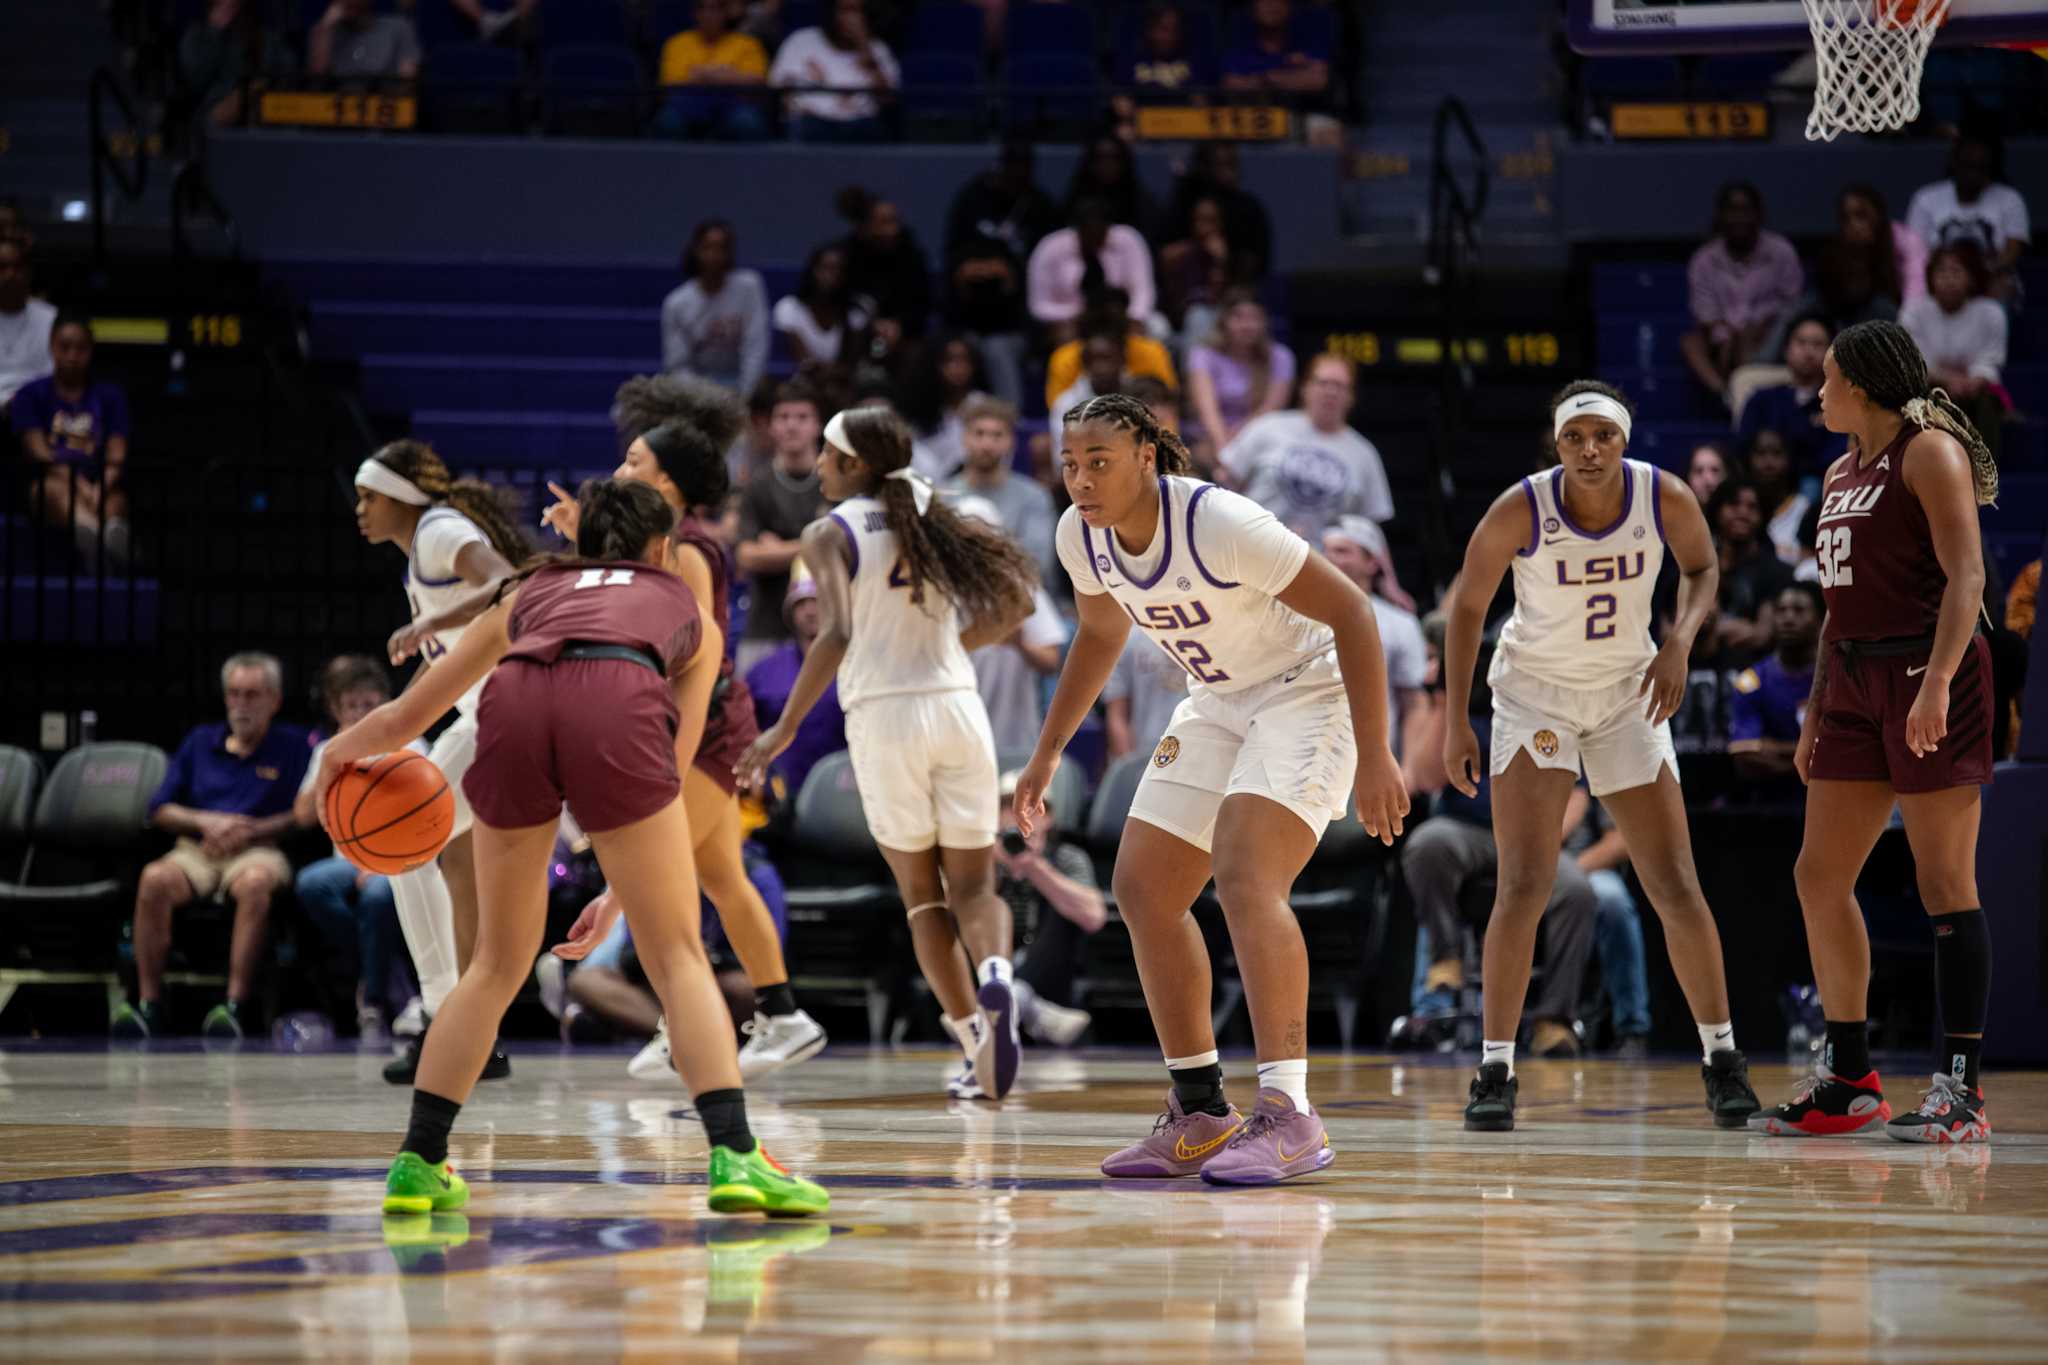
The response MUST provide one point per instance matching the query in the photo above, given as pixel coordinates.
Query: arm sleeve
(1788, 278)
(892, 75)
(440, 540)
(1244, 543)
(1074, 554)
(177, 776)
(754, 345)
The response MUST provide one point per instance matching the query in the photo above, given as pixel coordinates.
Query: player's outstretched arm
(825, 552)
(1098, 641)
(1699, 589)
(1507, 529)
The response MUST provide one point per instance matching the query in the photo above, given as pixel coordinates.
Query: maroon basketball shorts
(1862, 731)
(728, 730)
(597, 735)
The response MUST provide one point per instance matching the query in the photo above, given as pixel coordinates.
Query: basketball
(392, 815)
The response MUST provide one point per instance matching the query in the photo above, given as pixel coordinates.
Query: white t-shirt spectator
(807, 57)
(1407, 659)
(1010, 687)
(820, 342)
(722, 337)
(1971, 339)
(1053, 277)
(25, 346)
(1305, 477)
(1998, 216)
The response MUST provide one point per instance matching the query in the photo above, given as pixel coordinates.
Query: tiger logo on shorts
(1168, 750)
(1545, 742)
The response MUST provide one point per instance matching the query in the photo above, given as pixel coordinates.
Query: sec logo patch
(1545, 742)
(1168, 750)
(1102, 563)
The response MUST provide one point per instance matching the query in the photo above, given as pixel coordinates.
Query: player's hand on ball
(591, 927)
(752, 769)
(1461, 754)
(1382, 795)
(1927, 722)
(564, 517)
(1664, 684)
(1029, 802)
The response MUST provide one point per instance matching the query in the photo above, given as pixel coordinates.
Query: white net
(1871, 53)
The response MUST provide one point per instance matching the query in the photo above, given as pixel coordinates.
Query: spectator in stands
(1707, 467)
(995, 223)
(217, 55)
(1358, 548)
(945, 373)
(1055, 904)
(2023, 601)
(1751, 575)
(886, 268)
(1855, 275)
(1241, 373)
(1422, 737)
(1078, 263)
(1142, 355)
(1023, 508)
(1784, 507)
(715, 324)
(774, 510)
(25, 323)
(1109, 173)
(1963, 333)
(1159, 399)
(1102, 370)
(1973, 206)
(1217, 173)
(74, 431)
(1163, 68)
(754, 450)
(353, 909)
(492, 19)
(1770, 697)
(1594, 843)
(351, 43)
(1742, 282)
(1144, 690)
(1010, 673)
(1863, 215)
(1306, 465)
(227, 796)
(823, 730)
(817, 321)
(1004, 205)
(1792, 409)
(1277, 56)
(841, 71)
(708, 76)
(1197, 271)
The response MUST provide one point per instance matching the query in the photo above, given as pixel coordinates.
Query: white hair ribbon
(379, 477)
(920, 487)
(1591, 405)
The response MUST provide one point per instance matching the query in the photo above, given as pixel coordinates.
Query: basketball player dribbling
(1579, 684)
(1900, 715)
(456, 541)
(596, 676)
(1285, 719)
(907, 587)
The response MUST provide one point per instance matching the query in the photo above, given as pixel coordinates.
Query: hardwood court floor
(224, 1206)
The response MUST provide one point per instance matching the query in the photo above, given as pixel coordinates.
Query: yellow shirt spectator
(1142, 355)
(682, 55)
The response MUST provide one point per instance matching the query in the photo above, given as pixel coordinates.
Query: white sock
(1491, 1052)
(1209, 1058)
(1290, 1078)
(1716, 1038)
(426, 916)
(966, 1032)
(996, 969)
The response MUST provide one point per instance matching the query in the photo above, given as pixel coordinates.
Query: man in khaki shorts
(228, 797)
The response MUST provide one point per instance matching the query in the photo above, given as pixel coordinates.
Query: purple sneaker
(1276, 1143)
(996, 1066)
(1179, 1144)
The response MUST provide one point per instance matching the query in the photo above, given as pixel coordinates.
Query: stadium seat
(593, 90)
(580, 23)
(1068, 796)
(1050, 30)
(845, 916)
(954, 29)
(942, 97)
(21, 778)
(473, 88)
(1112, 806)
(1052, 96)
(438, 22)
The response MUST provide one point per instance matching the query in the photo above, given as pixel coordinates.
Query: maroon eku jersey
(732, 706)
(1876, 555)
(605, 602)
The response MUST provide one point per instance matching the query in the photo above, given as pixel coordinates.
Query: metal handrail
(105, 161)
(189, 189)
(1453, 232)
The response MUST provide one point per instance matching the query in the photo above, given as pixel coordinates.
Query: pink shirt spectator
(1732, 294)
(1233, 379)
(1912, 254)
(1053, 278)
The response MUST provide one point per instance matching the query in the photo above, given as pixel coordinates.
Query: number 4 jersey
(898, 646)
(1875, 554)
(1205, 590)
(1582, 597)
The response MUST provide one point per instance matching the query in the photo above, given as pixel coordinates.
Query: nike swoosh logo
(1916, 672)
(446, 1183)
(1183, 1152)
(1559, 541)
(1322, 1140)
(1294, 673)
(1842, 475)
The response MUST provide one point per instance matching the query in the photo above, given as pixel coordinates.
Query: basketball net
(1871, 53)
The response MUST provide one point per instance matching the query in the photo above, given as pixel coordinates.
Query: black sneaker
(1950, 1112)
(497, 1066)
(406, 1065)
(1492, 1109)
(1729, 1097)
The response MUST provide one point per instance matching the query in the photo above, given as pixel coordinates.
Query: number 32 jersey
(1205, 590)
(1875, 552)
(1582, 598)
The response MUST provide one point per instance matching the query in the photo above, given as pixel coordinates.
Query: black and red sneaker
(1827, 1105)
(1949, 1112)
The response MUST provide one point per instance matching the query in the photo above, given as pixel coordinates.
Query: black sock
(427, 1135)
(1847, 1053)
(724, 1114)
(1200, 1089)
(1962, 968)
(775, 1000)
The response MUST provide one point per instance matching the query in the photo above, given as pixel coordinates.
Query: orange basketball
(392, 815)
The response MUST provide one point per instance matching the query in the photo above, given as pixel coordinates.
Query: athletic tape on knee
(914, 911)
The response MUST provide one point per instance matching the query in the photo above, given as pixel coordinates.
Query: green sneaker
(750, 1181)
(416, 1239)
(223, 1023)
(132, 1024)
(413, 1186)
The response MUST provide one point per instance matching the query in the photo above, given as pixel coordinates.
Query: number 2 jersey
(1875, 552)
(1582, 598)
(898, 646)
(1206, 589)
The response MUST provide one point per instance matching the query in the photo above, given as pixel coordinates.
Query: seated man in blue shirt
(1769, 701)
(228, 797)
(1279, 53)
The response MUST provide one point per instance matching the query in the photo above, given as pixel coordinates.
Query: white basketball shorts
(452, 753)
(925, 764)
(1600, 731)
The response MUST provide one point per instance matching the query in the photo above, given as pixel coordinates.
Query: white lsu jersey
(1205, 590)
(432, 583)
(1582, 598)
(898, 646)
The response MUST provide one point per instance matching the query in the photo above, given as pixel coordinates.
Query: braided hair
(475, 499)
(1126, 413)
(986, 575)
(617, 517)
(1882, 359)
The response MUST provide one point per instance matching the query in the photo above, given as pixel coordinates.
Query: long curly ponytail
(475, 499)
(1127, 413)
(1882, 359)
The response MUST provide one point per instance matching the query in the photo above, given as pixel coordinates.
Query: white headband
(921, 488)
(1591, 405)
(835, 433)
(379, 477)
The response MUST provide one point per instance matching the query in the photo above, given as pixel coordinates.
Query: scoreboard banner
(1232, 122)
(336, 109)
